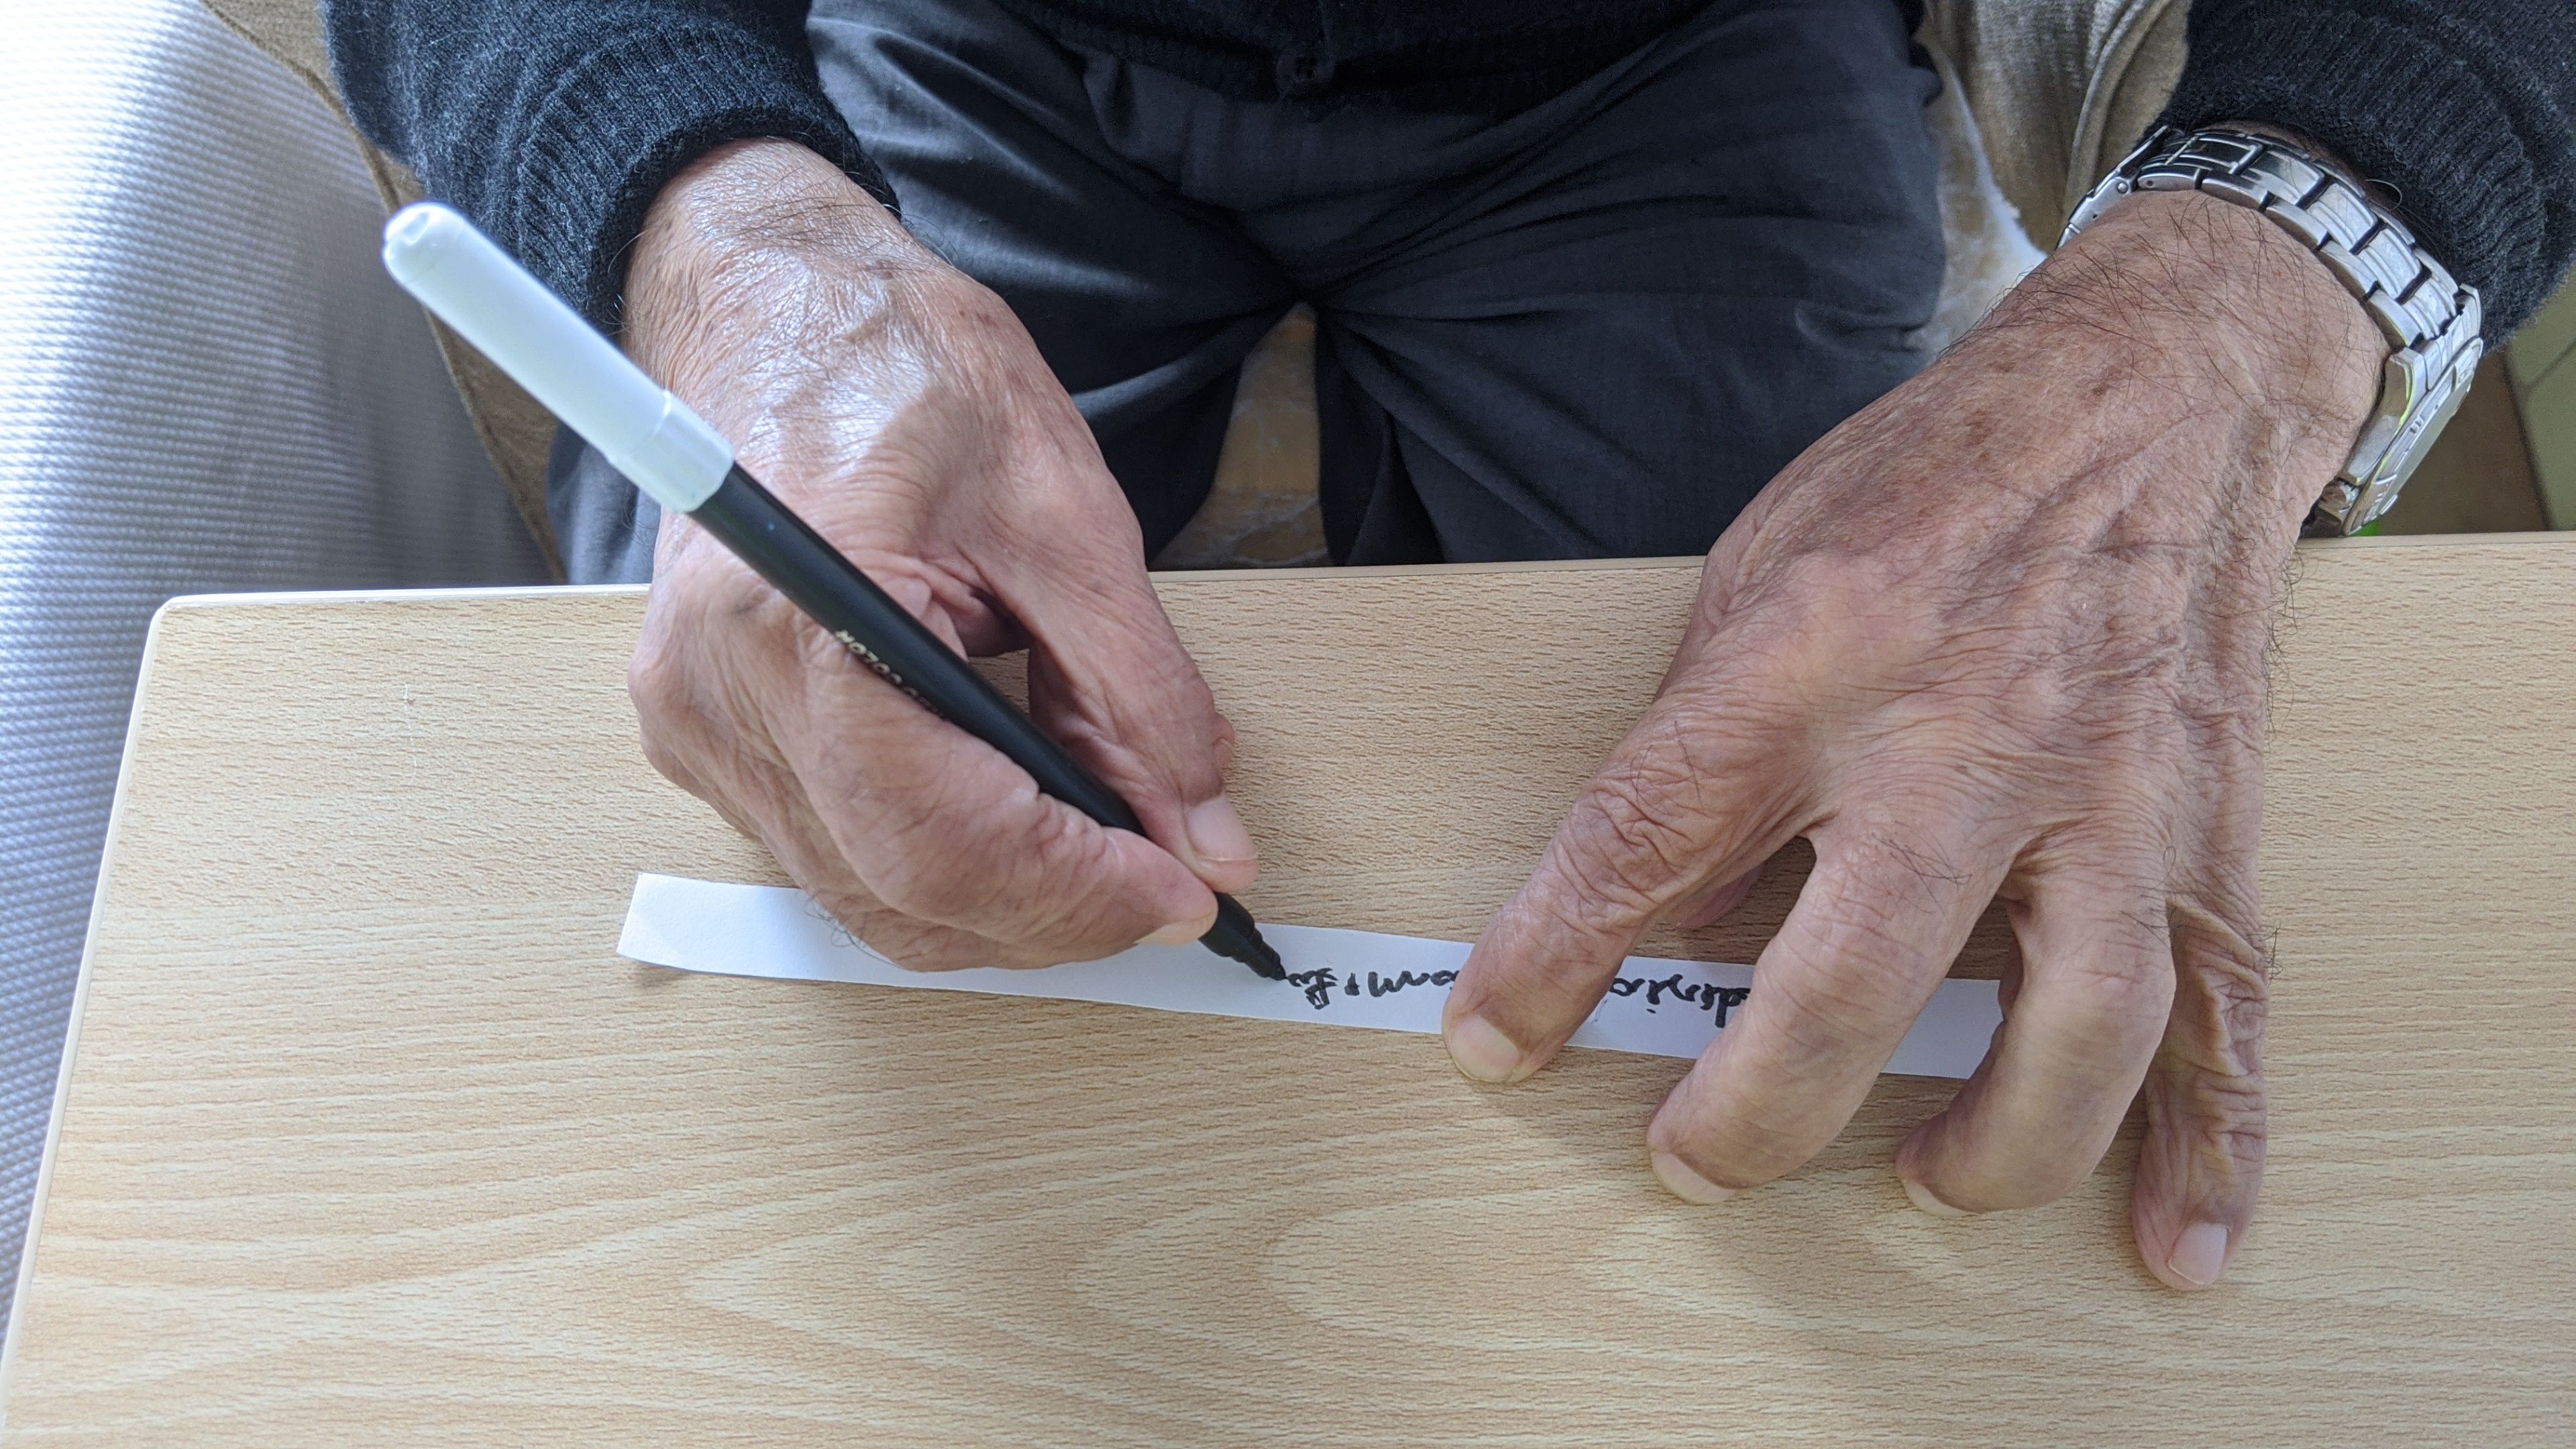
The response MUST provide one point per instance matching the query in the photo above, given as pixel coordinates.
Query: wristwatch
(2433, 323)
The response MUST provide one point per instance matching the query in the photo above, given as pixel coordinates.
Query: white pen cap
(473, 286)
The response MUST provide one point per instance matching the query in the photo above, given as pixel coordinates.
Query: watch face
(2415, 439)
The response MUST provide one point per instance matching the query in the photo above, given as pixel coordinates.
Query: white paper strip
(1340, 978)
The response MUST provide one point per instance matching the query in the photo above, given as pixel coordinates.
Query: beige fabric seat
(2043, 97)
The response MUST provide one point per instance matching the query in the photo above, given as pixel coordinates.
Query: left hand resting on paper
(2002, 633)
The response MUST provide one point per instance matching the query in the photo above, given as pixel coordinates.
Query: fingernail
(1685, 1184)
(2200, 1254)
(1178, 933)
(1922, 1197)
(1216, 833)
(1482, 1052)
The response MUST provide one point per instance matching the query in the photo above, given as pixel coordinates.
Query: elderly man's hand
(2002, 633)
(903, 410)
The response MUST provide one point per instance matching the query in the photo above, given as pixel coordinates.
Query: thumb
(1109, 678)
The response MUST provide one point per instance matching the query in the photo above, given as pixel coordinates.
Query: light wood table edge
(143, 685)
(124, 771)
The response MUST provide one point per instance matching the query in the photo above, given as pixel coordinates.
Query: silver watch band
(2432, 322)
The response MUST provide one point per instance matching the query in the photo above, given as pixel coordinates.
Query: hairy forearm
(2194, 333)
(759, 258)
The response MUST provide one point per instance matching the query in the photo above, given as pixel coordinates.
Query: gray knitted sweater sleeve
(554, 122)
(2465, 108)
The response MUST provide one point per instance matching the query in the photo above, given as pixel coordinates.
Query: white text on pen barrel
(869, 657)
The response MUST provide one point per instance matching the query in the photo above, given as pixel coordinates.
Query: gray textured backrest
(206, 383)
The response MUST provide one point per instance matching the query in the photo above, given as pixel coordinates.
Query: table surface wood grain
(371, 1137)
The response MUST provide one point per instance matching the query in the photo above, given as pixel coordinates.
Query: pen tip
(1248, 948)
(1264, 961)
(1237, 937)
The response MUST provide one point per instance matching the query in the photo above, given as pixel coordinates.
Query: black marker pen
(668, 451)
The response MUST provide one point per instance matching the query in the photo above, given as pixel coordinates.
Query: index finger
(1695, 793)
(942, 827)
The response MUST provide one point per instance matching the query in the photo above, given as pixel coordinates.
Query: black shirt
(554, 123)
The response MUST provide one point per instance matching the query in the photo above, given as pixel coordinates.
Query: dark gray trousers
(1595, 327)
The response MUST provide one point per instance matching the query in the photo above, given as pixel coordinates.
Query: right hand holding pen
(903, 411)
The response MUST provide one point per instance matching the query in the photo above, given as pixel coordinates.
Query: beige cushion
(2060, 89)
(2045, 96)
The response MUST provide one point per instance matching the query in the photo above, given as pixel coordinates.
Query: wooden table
(371, 1136)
